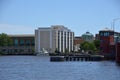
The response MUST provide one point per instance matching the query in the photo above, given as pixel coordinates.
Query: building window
(22, 42)
(33, 42)
(101, 34)
(28, 42)
(16, 42)
(108, 34)
(105, 34)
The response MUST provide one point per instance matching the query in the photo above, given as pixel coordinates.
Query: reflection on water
(40, 68)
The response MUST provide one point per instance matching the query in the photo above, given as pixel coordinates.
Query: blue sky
(24, 16)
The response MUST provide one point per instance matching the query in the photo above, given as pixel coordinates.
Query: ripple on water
(40, 68)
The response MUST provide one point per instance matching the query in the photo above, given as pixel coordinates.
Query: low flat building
(22, 44)
(77, 41)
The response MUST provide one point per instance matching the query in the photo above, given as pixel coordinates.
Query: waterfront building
(106, 39)
(107, 45)
(88, 37)
(56, 37)
(22, 44)
(118, 52)
(77, 41)
(108, 42)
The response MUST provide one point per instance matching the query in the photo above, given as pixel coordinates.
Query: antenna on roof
(114, 23)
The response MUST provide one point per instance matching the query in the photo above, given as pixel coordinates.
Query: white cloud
(15, 29)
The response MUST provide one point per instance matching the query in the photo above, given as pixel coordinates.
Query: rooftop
(22, 35)
(106, 29)
(88, 33)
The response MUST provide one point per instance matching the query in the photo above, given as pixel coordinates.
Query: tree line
(5, 40)
(90, 47)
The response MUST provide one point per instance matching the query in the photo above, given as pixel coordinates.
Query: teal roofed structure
(88, 36)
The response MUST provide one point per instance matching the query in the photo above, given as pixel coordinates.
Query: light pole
(114, 20)
(115, 38)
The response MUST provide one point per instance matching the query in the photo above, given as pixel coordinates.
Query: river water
(40, 68)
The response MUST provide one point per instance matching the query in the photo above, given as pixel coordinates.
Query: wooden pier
(77, 58)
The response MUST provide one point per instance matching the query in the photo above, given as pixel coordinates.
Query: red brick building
(77, 42)
(107, 44)
(118, 52)
(22, 44)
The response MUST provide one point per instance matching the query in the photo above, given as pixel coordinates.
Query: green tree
(88, 46)
(5, 40)
(84, 46)
(92, 46)
(97, 44)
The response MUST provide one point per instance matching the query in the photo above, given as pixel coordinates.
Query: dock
(77, 58)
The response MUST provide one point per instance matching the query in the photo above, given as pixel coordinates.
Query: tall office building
(56, 37)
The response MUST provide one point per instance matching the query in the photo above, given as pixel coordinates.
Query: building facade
(56, 37)
(108, 41)
(22, 44)
(107, 44)
(77, 42)
(97, 37)
(118, 52)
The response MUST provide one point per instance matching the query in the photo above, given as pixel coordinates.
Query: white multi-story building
(56, 37)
